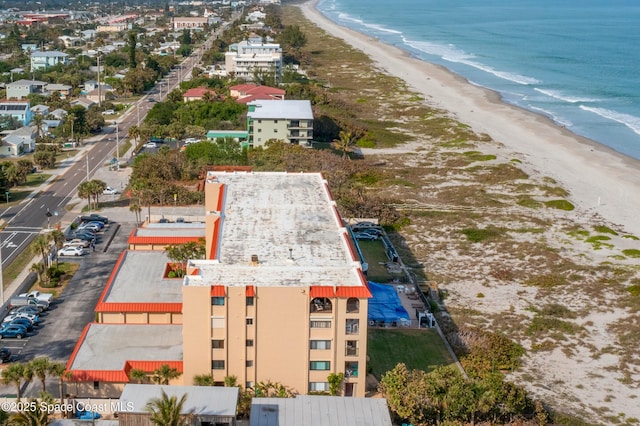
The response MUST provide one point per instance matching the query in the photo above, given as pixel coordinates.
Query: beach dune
(600, 181)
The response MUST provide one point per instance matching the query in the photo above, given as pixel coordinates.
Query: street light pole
(117, 147)
(1, 278)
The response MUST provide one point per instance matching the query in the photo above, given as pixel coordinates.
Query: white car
(150, 145)
(77, 242)
(71, 251)
(108, 112)
(13, 315)
(110, 191)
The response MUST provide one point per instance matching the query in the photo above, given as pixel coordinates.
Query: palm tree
(167, 411)
(346, 143)
(135, 208)
(58, 240)
(59, 370)
(138, 375)
(203, 380)
(134, 133)
(164, 374)
(230, 381)
(41, 245)
(39, 367)
(14, 373)
(38, 268)
(33, 416)
(84, 191)
(38, 121)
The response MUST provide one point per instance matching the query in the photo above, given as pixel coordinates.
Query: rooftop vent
(254, 260)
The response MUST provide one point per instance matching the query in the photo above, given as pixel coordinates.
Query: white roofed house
(63, 89)
(288, 120)
(44, 60)
(19, 141)
(22, 88)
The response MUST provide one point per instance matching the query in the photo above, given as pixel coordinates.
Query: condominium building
(252, 56)
(287, 120)
(189, 22)
(280, 295)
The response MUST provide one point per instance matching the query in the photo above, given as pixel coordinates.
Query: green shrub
(172, 274)
(631, 253)
(597, 238)
(604, 230)
(480, 295)
(476, 235)
(542, 324)
(634, 290)
(529, 203)
(546, 281)
(560, 205)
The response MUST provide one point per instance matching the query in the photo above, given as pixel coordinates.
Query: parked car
(94, 216)
(92, 227)
(108, 112)
(365, 225)
(33, 304)
(34, 318)
(33, 310)
(28, 325)
(47, 297)
(95, 222)
(150, 145)
(110, 191)
(364, 236)
(77, 242)
(16, 331)
(71, 251)
(5, 355)
(151, 100)
(373, 231)
(91, 238)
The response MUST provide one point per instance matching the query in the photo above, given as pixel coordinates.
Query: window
(351, 369)
(320, 324)
(249, 343)
(351, 348)
(318, 386)
(320, 344)
(248, 385)
(259, 130)
(275, 121)
(249, 363)
(320, 304)
(275, 130)
(249, 300)
(96, 385)
(217, 364)
(217, 301)
(352, 326)
(353, 305)
(320, 365)
(217, 344)
(217, 322)
(249, 321)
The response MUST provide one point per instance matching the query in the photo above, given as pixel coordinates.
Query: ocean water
(575, 61)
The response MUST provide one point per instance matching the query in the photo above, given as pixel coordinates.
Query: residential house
(19, 141)
(40, 109)
(112, 28)
(44, 60)
(248, 92)
(100, 94)
(246, 58)
(64, 90)
(29, 47)
(204, 405)
(20, 110)
(83, 102)
(289, 121)
(70, 41)
(88, 35)
(58, 114)
(22, 88)
(283, 305)
(319, 410)
(198, 94)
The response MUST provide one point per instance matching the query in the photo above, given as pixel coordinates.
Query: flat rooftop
(289, 222)
(139, 280)
(281, 109)
(192, 230)
(108, 346)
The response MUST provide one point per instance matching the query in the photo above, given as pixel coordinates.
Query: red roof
(135, 239)
(217, 291)
(361, 292)
(198, 92)
(322, 291)
(140, 307)
(250, 291)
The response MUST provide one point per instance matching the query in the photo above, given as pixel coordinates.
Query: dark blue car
(9, 330)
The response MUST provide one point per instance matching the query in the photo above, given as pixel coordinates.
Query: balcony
(351, 351)
(320, 304)
(350, 369)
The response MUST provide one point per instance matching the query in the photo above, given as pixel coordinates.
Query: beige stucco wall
(196, 331)
(139, 318)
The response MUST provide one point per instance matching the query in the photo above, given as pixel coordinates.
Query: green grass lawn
(419, 349)
(373, 252)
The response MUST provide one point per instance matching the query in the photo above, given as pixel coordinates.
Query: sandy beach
(602, 184)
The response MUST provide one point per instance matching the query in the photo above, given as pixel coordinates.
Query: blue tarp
(385, 306)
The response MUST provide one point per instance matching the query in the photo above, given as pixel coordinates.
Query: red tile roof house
(244, 93)
(197, 94)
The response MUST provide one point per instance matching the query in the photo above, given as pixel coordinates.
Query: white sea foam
(561, 96)
(556, 119)
(348, 18)
(628, 120)
(453, 54)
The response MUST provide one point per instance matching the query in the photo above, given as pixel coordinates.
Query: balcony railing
(351, 351)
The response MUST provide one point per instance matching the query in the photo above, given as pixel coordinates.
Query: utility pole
(99, 85)
(1, 278)
(117, 147)
(138, 112)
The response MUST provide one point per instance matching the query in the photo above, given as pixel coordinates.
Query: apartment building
(282, 296)
(188, 22)
(287, 120)
(250, 56)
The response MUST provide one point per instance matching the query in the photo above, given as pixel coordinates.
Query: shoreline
(601, 181)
